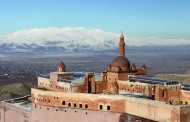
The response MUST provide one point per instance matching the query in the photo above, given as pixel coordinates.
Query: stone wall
(122, 109)
(168, 93)
(78, 100)
(154, 110)
(185, 97)
(145, 108)
(134, 87)
(57, 114)
(60, 86)
(10, 113)
(41, 113)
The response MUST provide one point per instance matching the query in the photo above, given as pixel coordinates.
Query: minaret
(61, 67)
(121, 45)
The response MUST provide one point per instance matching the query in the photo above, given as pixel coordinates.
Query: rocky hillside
(14, 90)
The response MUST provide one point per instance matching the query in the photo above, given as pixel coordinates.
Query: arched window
(181, 102)
(100, 107)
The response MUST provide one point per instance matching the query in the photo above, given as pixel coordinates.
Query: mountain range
(76, 40)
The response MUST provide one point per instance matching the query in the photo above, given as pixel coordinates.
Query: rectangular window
(86, 105)
(63, 102)
(80, 105)
(75, 105)
(69, 104)
(163, 93)
(108, 107)
(101, 107)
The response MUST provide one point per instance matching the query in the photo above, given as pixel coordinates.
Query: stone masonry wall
(149, 109)
(11, 113)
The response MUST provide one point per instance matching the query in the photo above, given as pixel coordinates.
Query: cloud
(84, 36)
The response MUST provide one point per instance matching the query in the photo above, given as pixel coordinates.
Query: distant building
(122, 93)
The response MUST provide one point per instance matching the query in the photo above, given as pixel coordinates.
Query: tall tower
(121, 45)
(61, 67)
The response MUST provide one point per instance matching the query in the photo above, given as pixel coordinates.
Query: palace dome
(120, 61)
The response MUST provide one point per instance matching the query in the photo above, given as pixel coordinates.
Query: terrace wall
(185, 97)
(149, 109)
(60, 86)
(134, 87)
(58, 114)
(10, 113)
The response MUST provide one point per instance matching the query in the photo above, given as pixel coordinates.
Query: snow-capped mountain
(54, 39)
(74, 40)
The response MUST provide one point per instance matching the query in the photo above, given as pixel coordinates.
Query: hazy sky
(162, 18)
